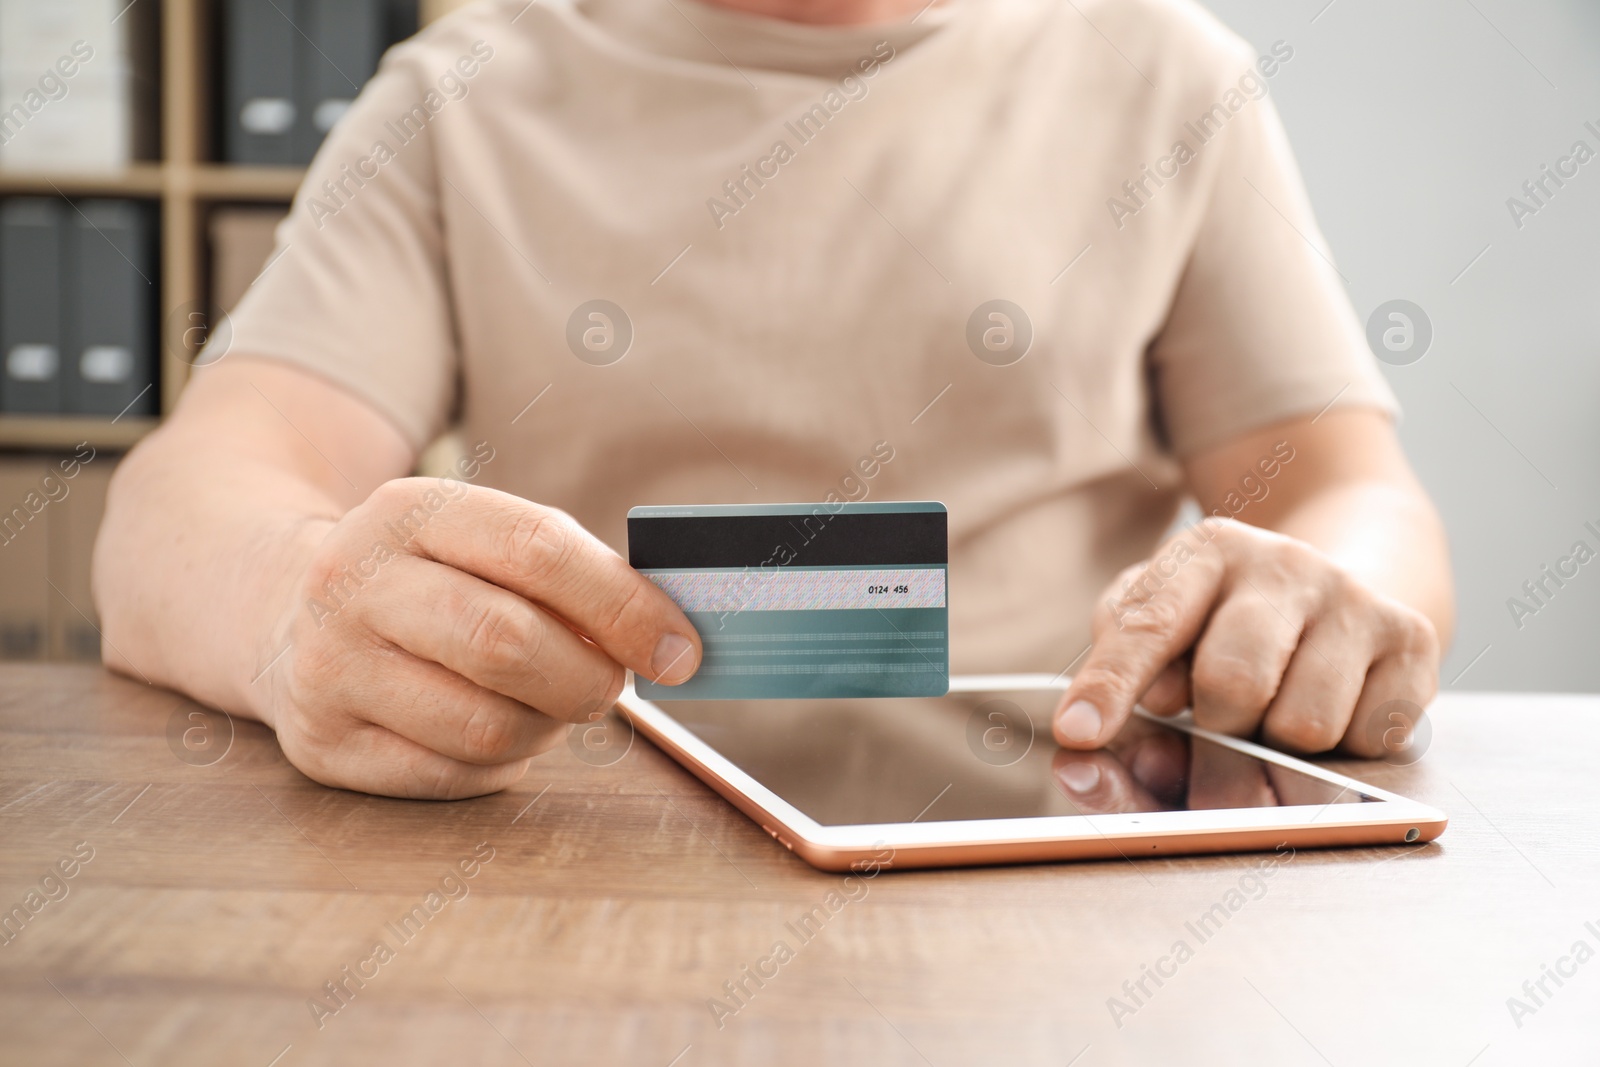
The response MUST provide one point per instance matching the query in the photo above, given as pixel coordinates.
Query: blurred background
(147, 151)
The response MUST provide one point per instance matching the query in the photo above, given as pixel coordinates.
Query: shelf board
(141, 179)
(207, 181)
(225, 181)
(66, 431)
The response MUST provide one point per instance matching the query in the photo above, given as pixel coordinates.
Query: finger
(373, 759)
(1098, 784)
(1169, 693)
(493, 638)
(1386, 718)
(447, 714)
(1220, 777)
(1136, 635)
(1403, 681)
(544, 556)
(1247, 645)
(1314, 704)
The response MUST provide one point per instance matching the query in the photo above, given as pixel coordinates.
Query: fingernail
(672, 662)
(1080, 777)
(1080, 722)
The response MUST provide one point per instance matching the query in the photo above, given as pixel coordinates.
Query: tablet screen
(980, 755)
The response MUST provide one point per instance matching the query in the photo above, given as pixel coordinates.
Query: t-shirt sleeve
(356, 290)
(1260, 329)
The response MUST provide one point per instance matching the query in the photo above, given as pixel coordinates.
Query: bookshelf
(63, 432)
(187, 184)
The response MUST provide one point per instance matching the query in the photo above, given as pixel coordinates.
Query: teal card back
(797, 601)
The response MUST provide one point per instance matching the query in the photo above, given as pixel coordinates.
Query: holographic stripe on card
(794, 589)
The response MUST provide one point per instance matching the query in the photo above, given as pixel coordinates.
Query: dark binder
(110, 365)
(260, 105)
(31, 285)
(404, 19)
(73, 622)
(344, 41)
(25, 542)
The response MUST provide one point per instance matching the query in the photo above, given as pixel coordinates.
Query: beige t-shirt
(803, 228)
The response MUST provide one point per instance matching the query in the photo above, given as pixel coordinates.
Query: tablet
(974, 777)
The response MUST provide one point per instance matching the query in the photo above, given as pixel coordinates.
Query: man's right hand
(444, 634)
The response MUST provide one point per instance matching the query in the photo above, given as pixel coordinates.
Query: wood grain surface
(607, 905)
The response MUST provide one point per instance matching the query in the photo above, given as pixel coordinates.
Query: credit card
(803, 600)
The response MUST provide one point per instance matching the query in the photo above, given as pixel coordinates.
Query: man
(1054, 260)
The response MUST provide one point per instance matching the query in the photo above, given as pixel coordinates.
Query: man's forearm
(210, 523)
(194, 565)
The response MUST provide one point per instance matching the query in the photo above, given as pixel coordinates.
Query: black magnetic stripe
(820, 540)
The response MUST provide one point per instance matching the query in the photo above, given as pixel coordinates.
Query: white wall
(1414, 122)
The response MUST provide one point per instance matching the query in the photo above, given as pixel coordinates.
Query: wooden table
(222, 896)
